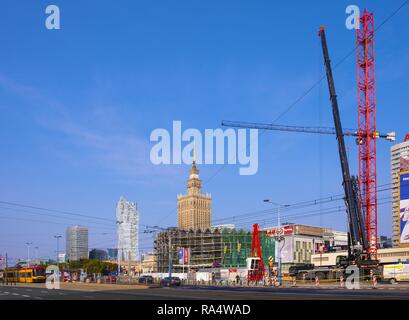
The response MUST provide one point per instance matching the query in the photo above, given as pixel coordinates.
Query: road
(95, 292)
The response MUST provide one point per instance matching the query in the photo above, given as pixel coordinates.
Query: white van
(396, 272)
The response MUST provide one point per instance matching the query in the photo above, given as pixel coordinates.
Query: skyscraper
(399, 162)
(77, 243)
(195, 208)
(127, 217)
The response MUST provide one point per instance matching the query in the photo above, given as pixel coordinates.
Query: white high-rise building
(76, 243)
(399, 154)
(127, 217)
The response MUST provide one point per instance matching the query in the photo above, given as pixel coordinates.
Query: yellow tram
(25, 275)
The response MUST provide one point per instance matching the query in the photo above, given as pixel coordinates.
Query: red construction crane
(255, 265)
(365, 60)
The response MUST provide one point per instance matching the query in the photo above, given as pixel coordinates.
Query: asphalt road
(31, 292)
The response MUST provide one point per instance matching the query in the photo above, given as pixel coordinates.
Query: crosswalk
(19, 293)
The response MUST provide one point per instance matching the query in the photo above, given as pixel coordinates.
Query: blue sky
(78, 106)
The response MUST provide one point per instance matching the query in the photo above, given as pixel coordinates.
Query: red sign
(407, 137)
(282, 231)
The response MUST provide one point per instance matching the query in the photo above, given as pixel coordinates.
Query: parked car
(145, 280)
(111, 279)
(167, 282)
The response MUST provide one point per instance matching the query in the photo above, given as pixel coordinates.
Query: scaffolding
(210, 248)
(204, 249)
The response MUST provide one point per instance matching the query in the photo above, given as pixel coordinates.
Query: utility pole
(7, 277)
(117, 251)
(170, 258)
(156, 228)
(28, 253)
(140, 262)
(129, 264)
(278, 238)
(36, 252)
(58, 254)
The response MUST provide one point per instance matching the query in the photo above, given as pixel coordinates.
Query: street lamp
(155, 229)
(278, 238)
(117, 250)
(36, 252)
(58, 254)
(28, 253)
(58, 247)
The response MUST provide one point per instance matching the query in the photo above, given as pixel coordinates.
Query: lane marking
(38, 298)
(25, 296)
(15, 294)
(43, 291)
(29, 289)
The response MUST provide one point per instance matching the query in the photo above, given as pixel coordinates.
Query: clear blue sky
(78, 106)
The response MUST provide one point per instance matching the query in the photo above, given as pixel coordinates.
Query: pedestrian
(294, 281)
(374, 282)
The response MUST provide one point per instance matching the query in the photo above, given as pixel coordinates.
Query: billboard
(404, 207)
(287, 250)
(282, 231)
(404, 164)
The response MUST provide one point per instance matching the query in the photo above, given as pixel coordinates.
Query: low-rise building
(148, 263)
(300, 242)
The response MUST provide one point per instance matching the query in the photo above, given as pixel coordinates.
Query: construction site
(261, 251)
(207, 249)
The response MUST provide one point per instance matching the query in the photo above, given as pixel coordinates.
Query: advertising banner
(404, 207)
(282, 231)
(404, 164)
(186, 255)
(181, 255)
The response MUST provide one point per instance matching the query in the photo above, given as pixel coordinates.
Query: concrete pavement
(78, 291)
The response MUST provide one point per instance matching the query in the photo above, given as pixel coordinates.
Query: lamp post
(117, 250)
(58, 253)
(36, 253)
(140, 262)
(58, 247)
(278, 237)
(28, 253)
(155, 229)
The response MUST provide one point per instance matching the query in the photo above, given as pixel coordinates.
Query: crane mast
(357, 232)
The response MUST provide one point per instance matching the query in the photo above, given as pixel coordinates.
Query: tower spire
(194, 152)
